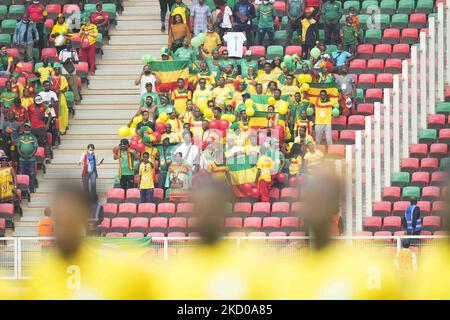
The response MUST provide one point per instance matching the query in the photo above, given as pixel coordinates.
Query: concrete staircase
(109, 102)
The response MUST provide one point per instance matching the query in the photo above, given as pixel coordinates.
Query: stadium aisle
(110, 100)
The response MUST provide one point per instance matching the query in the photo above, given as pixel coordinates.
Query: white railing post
(396, 121)
(440, 53)
(414, 97)
(432, 65)
(16, 258)
(447, 46)
(358, 180)
(368, 165)
(405, 110)
(19, 258)
(387, 137)
(338, 168)
(423, 80)
(349, 191)
(166, 248)
(377, 151)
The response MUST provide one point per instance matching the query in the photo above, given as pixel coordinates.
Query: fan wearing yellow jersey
(77, 271)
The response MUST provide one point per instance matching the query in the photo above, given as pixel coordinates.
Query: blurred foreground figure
(433, 280)
(76, 269)
(332, 269)
(215, 269)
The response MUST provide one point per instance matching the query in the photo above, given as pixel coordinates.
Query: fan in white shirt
(47, 96)
(146, 76)
(190, 152)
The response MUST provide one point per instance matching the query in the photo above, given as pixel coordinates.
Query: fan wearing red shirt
(20, 113)
(101, 19)
(37, 14)
(39, 123)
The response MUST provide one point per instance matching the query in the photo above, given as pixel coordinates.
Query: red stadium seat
(261, 209)
(105, 225)
(185, 209)
(166, 209)
(391, 36)
(347, 137)
(256, 234)
(154, 235)
(158, 224)
(439, 150)
(271, 224)
(418, 151)
(363, 234)
(417, 20)
(392, 224)
(27, 67)
(375, 66)
(53, 10)
(147, 210)
(425, 208)
(13, 53)
(438, 178)
(110, 210)
(297, 208)
(364, 109)
(7, 211)
(364, 51)
(339, 123)
(393, 66)
(400, 51)
(290, 50)
(23, 183)
(127, 210)
(356, 122)
(380, 234)
(252, 224)
(139, 225)
(420, 179)
(280, 8)
(115, 195)
(233, 223)
(120, 225)
(372, 224)
(391, 194)
(192, 224)
(177, 224)
(382, 51)
(366, 80)
(48, 24)
(409, 165)
(114, 235)
(257, 51)
(357, 66)
(431, 223)
(336, 151)
(242, 209)
(135, 235)
(399, 208)
(437, 209)
(175, 235)
(290, 224)
(436, 121)
(289, 194)
(133, 195)
(278, 234)
(69, 9)
(410, 35)
(280, 209)
(274, 194)
(430, 193)
(444, 136)
(2, 227)
(373, 95)
(384, 80)
(381, 209)
(49, 53)
(429, 164)
(158, 195)
(82, 69)
(447, 95)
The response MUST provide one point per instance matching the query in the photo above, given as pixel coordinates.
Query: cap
(57, 65)
(248, 53)
(124, 142)
(309, 10)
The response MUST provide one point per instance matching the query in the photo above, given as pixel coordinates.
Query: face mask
(90, 151)
(27, 132)
(146, 73)
(148, 104)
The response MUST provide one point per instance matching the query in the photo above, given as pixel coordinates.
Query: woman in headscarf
(179, 178)
(60, 33)
(60, 86)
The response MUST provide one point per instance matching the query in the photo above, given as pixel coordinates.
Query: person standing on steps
(146, 76)
(27, 147)
(126, 157)
(89, 174)
(164, 6)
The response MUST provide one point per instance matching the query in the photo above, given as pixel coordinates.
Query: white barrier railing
(20, 254)
(415, 92)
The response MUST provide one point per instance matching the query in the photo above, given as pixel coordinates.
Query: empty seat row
(383, 51)
(398, 208)
(418, 179)
(424, 150)
(412, 165)
(394, 223)
(368, 65)
(429, 193)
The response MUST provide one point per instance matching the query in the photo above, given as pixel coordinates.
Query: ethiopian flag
(261, 100)
(169, 72)
(330, 88)
(242, 172)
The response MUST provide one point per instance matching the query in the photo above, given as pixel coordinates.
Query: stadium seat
(431, 223)
(417, 20)
(365, 109)
(409, 165)
(135, 235)
(363, 19)
(110, 210)
(336, 151)
(382, 51)
(271, 224)
(185, 209)
(120, 225)
(418, 151)
(257, 51)
(16, 11)
(274, 194)
(444, 164)
(297, 208)
(391, 36)
(280, 209)
(363, 234)
(290, 224)
(133, 195)
(373, 95)
(105, 225)
(429, 164)
(381, 209)
(274, 51)
(372, 224)
(420, 179)
(410, 36)
(8, 26)
(290, 50)
(347, 137)
(438, 208)
(3, 12)
(175, 235)
(278, 234)
(242, 209)
(192, 224)
(177, 224)
(391, 194)
(252, 224)
(388, 6)
(444, 136)
(430, 193)
(232, 223)
(427, 136)
(139, 225)
(357, 66)
(439, 150)
(166, 209)
(393, 66)
(425, 6)
(7, 212)
(289, 194)
(339, 123)
(114, 235)
(127, 210)
(392, 224)
(49, 53)
(436, 121)
(366, 80)
(146, 210)
(438, 178)
(375, 66)
(425, 208)
(158, 224)
(383, 234)
(261, 209)
(356, 122)
(348, 4)
(364, 51)
(399, 208)
(115, 195)
(53, 10)
(373, 36)
(400, 179)
(384, 80)
(411, 191)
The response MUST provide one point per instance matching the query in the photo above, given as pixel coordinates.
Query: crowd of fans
(236, 104)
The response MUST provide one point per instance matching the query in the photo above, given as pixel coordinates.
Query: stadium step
(110, 100)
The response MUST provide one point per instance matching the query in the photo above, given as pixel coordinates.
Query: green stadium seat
(424, 6)
(284, 23)
(5, 39)
(373, 36)
(363, 18)
(388, 6)
(400, 179)
(342, 21)
(349, 4)
(16, 11)
(443, 108)
(321, 34)
(111, 10)
(3, 12)
(406, 6)
(427, 136)
(369, 5)
(8, 26)
(274, 51)
(360, 94)
(382, 20)
(409, 192)
(281, 38)
(399, 20)
(90, 8)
